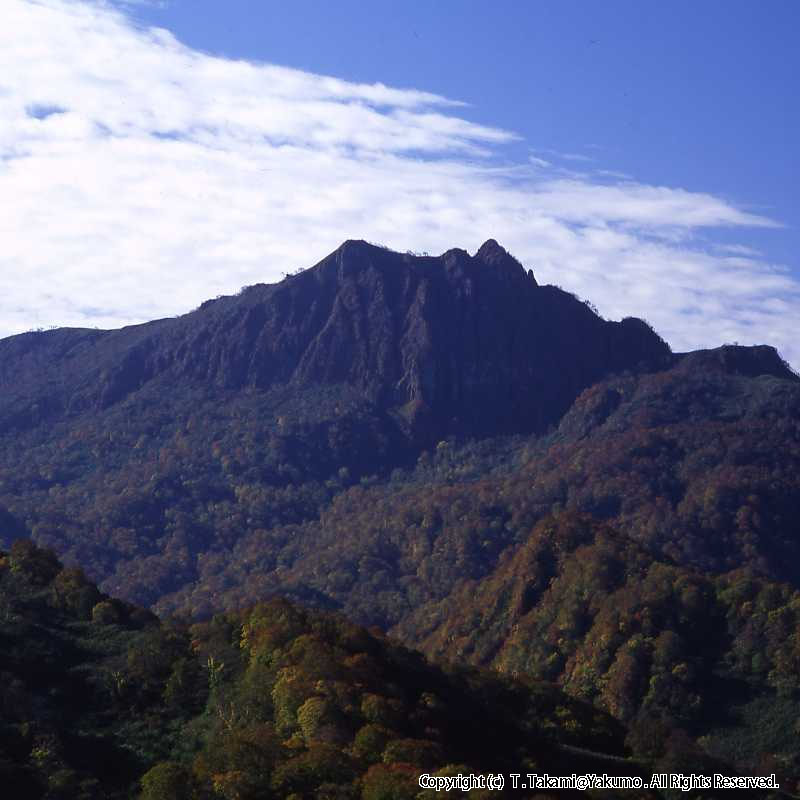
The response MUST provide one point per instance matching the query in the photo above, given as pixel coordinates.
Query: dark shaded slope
(657, 645)
(147, 453)
(701, 462)
(100, 699)
(700, 466)
(450, 344)
(65, 729)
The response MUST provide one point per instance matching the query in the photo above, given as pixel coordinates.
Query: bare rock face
(449, 344)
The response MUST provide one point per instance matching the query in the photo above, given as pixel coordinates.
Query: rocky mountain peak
(495, 255)
(454, 344)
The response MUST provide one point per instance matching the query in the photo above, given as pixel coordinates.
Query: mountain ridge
(253, 412)
(435, 341)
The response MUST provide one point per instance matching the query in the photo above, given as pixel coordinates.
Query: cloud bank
(139, 177)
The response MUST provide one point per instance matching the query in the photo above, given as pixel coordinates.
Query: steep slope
(145, 454)
(699, 464)
(100, 699)
(448, 344)
(657, 645)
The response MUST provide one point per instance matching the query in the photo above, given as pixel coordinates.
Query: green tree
(167, 781)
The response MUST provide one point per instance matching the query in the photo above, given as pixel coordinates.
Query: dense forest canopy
(102, 700)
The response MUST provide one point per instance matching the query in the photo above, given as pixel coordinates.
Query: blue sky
(700, 95)
(640, 154)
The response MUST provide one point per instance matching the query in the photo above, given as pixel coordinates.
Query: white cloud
(139, 177)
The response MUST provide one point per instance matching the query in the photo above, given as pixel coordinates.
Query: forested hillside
(698, 464)
(661, 647)
(146, 454)
(441, 448)
(101, 700)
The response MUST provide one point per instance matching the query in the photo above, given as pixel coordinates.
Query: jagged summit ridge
(442, 344)
(494, 255)
(356, 253)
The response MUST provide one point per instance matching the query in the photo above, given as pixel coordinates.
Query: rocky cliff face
(449, 344)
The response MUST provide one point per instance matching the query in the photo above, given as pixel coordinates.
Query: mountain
(454, 344)
(698, 464)
(133, 452)
(440, 447)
